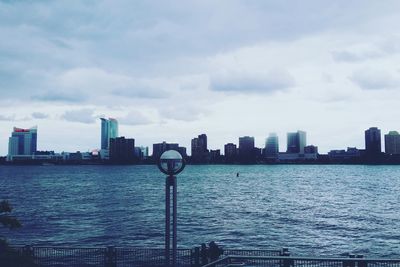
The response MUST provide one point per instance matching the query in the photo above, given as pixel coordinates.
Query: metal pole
(167, 221)
(174, 221)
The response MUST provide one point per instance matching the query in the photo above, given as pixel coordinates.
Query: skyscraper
(272, 146)
(247, 153)
(199, 149)
(122, 150)
(22, 142)
(392, 143)
(296, 142)
(230, 151)
(109, 129)
(373, 141)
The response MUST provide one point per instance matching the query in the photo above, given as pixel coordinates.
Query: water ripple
(325, 210)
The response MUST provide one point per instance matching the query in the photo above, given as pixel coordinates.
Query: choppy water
(313, 210)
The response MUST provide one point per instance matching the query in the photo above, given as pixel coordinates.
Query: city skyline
(170, 71)
(296, 143)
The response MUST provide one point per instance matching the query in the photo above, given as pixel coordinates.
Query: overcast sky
(170, 70)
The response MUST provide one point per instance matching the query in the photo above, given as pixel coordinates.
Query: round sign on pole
(171, 162)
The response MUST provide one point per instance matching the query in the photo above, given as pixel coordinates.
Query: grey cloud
(182, 113)
(110, 83)
(328, 78)
(134, 118)
(7, 117)
(347, 56)
(140, 92)
(60, 97)
(39, 115)
(242, 82)
(374, 79)
(145, 32)
(143, 38)
(85, 115)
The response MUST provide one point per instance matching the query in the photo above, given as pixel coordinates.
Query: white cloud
(7, 117)
(135, 118)
(347, 56)
(39, 115)
(256, 82)
(85, 115)
(376, 79)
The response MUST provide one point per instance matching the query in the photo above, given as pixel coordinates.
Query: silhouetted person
(214, 251)
(204, 254)
(237, 174)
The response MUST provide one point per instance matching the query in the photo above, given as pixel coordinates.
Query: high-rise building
(247, 153)
(109, 129)
(272, 146)
(392, 143)
(182, 151)
(22, 142)
(215, 156)
(373, 141)
(145, 151)
(296, 142)
(122, 150)
(104, 133)
(200, 153)
(230, 152)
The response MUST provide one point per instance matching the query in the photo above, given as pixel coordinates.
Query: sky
(171, 70)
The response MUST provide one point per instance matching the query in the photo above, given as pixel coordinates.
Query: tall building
(200, 153)
(392, 143)
(109, 129)
(122, 150)
(296, 142)
(23, 142)
(230, 152)
(272, 146)
(144, 151)
(373, 141)
(247, 153)
(215, 156)
(182, 151)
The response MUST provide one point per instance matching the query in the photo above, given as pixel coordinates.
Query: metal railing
(112, 256)
(92, 257)
(287, 261)
(29, 256)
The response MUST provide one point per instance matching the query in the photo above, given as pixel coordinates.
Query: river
(311, 209)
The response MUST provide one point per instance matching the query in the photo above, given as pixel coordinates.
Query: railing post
(349, 263)
(196, 257)
(28, 253)
(286, 262)
(284, 252)
(111, 257)
(361, 263)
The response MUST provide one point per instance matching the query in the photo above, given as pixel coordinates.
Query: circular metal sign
(171, 162)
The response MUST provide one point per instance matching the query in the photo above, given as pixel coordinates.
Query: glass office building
(109, 129)
(22, 142)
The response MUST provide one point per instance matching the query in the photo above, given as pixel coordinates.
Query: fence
(27, 256)
(287, 261)
(32, 256)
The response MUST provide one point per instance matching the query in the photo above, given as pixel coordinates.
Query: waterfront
(313, 209)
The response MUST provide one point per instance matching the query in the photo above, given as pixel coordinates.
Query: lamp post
(171, 163)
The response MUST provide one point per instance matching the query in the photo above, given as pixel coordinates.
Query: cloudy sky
(170, 70)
